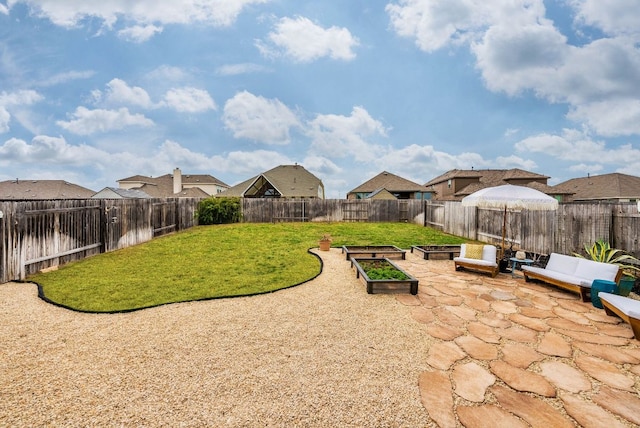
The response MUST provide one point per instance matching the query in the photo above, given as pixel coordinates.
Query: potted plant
(601, 251)
(325, 242)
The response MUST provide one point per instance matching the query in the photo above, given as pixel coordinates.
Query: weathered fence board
(35, 235)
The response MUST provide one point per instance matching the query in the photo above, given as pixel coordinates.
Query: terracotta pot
(325, 245)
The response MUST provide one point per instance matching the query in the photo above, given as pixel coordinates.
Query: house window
(449, 183)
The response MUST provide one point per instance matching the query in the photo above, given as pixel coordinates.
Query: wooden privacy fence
(336, 210)
(564, 231)
(35, 235)
(38, 234)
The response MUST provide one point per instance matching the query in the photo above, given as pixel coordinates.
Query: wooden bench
(486, 264)
(572, 273)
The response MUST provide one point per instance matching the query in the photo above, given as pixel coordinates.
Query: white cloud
(19, 98)
(610, 118)
(259, 119)
(86, 122)
(49, 150)
(5, 117)
(3, 9)
(168, 73)
(11, 100)
(611, 16)
(139, 33)
(516, 59)
(65, 77)
(435, 24)
(576, 146)
(245, 68)
(341, 136)
(189, 100)
(304, 41)
(519, 49)
(119, 92)
(248, 164)
(72, 13)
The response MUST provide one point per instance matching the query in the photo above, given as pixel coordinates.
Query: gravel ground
(321, 354)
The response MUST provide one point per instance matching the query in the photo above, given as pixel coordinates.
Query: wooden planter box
(428, 250)
(373, 251)
(390, 285)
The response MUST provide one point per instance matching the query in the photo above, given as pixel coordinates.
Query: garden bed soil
(383, 284)
(373, 251)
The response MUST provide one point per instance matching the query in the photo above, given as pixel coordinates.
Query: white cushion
(488, 255)
(627, 306)
(590, 269)
(562, 263)
(475, 261)
(570, 279)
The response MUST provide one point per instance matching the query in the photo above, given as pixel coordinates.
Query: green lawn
(214, 261)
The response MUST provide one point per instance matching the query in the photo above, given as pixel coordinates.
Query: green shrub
(218, 210)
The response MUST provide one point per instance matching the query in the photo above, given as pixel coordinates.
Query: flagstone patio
(510, 353)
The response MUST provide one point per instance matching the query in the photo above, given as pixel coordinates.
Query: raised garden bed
(373, 251)
(429, 250)
(384, 276)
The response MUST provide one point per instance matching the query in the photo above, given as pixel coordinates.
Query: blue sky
(91, 92)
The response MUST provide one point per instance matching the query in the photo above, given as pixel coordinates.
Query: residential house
(176, 185)
(455, 184)
(116, 193)
(614, 187)
(284, 181)
(42, 190)
(386, 184)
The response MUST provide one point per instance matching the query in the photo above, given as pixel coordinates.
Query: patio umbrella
(510, 197)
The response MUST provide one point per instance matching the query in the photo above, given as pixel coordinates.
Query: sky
(93, 92)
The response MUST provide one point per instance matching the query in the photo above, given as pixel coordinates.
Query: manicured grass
(214, 261)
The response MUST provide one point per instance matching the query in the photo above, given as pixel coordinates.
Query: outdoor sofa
(473, 258)
(624, 307)
(572, 273)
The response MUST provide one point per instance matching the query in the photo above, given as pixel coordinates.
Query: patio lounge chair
(484, 261)
(624, 307)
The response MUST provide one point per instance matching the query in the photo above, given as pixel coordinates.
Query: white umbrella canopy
(510, 197)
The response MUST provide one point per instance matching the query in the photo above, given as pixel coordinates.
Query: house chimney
(177, 181)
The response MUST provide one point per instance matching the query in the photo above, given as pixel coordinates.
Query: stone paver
(443, 332)
(621, 403)
(483, 332)
(487, 417)
(531, 323)
(555, 345)
(606, 353)
(423, 315)
(605, 372)
(471, 381)
(509, 353)
(519, 355)
(587, 414)
(443, 355)
(564, 376)
(535, 411)
(477, 348)
(436, 395)
(522, 380)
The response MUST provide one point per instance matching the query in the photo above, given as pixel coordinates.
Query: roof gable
(605, 186)
(43, 189)
(287, 180)
(390, 182)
